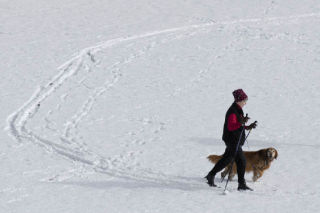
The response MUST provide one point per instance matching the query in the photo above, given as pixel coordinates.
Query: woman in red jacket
(233, 133)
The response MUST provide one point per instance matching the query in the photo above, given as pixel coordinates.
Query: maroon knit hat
(239, 95)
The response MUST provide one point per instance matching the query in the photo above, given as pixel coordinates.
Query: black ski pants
(227, 158)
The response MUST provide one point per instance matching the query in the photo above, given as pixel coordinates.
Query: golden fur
(257, 161)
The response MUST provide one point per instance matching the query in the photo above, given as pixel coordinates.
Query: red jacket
(233, 123)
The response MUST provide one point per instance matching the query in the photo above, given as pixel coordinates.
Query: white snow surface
(113, 106)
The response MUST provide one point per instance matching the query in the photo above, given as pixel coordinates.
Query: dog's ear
(276, 154)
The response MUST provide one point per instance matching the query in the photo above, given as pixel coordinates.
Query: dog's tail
(214, 158)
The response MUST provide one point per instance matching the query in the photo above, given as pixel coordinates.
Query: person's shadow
(184, 184)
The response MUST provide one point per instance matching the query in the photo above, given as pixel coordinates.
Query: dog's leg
(233, 172)
(256, 174)
(261, 173)
(225, 172)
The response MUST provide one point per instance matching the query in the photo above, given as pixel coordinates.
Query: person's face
(243, 103)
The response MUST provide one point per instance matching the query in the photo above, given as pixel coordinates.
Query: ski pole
(246, 139)
(248, 135)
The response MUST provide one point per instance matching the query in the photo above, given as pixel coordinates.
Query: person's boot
(210, 179)
(243, 187)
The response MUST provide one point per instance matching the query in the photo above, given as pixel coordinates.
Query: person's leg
(221, 164)
(241, 168)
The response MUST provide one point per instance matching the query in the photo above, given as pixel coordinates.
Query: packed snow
(113, 106)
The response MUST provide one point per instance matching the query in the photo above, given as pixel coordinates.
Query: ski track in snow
(80, 152)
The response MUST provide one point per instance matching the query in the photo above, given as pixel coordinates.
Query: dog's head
(272, 154)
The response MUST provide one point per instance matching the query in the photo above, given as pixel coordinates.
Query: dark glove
(244, 120)
(251, 126)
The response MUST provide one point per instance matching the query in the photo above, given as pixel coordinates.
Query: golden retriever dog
(257, 161)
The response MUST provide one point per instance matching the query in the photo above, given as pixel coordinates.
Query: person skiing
(233, 132)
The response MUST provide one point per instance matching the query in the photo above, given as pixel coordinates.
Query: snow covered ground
(113, 106)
